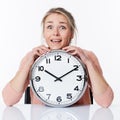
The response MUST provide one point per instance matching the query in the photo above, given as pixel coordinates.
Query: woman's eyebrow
(49, 22)
(61, 22)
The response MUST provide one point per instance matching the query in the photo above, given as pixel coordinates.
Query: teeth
(55, 40)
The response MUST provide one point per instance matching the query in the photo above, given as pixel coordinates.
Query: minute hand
(65, 74)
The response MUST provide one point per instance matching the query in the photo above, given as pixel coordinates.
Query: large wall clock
(58, 79)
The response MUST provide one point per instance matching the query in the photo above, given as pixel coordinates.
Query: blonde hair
(65, 13)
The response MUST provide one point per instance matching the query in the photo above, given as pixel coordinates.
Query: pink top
(11, 97)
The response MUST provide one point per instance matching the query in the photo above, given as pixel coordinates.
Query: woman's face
(57, 31)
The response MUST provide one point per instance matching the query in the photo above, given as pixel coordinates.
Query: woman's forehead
(56, 17)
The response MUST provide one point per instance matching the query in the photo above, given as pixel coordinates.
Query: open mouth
(56, 41)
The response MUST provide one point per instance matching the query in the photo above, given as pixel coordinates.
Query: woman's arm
(20, 81)
(102, 92)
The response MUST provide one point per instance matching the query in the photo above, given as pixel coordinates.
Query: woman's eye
(49, 27)
(62, 27)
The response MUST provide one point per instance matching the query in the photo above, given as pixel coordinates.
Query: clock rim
(59, 105)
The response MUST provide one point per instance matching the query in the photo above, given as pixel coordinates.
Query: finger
(43, 47)
(69, 49)
(41, 50)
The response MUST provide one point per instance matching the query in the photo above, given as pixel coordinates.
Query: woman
(58, 30)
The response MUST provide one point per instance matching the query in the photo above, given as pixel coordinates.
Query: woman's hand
(31, 56)
(86, 56)
(89, 59)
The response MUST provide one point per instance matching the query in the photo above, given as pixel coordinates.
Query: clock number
(48, 95)
(76, 67)
(59, 99)
(40, 89)
(76, 88)
(79, 78)
(68, 60)
(47, 60)
(37, 78)
(40, 68)
(58, 58)
(69, 95)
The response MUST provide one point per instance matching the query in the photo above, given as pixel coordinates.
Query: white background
(98, 23)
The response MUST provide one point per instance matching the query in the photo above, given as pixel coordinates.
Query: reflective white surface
(38, 112)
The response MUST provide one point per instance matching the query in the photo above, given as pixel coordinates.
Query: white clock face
(58, 78)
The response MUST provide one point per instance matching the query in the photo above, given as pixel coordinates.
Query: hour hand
(53, 75)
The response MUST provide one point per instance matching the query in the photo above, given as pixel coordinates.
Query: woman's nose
(56, 32)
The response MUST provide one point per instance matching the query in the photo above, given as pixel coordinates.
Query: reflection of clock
(58, 78)
(42, 112)
(58, 114)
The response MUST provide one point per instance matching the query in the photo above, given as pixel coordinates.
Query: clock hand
(57, 78)
(65, 74)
